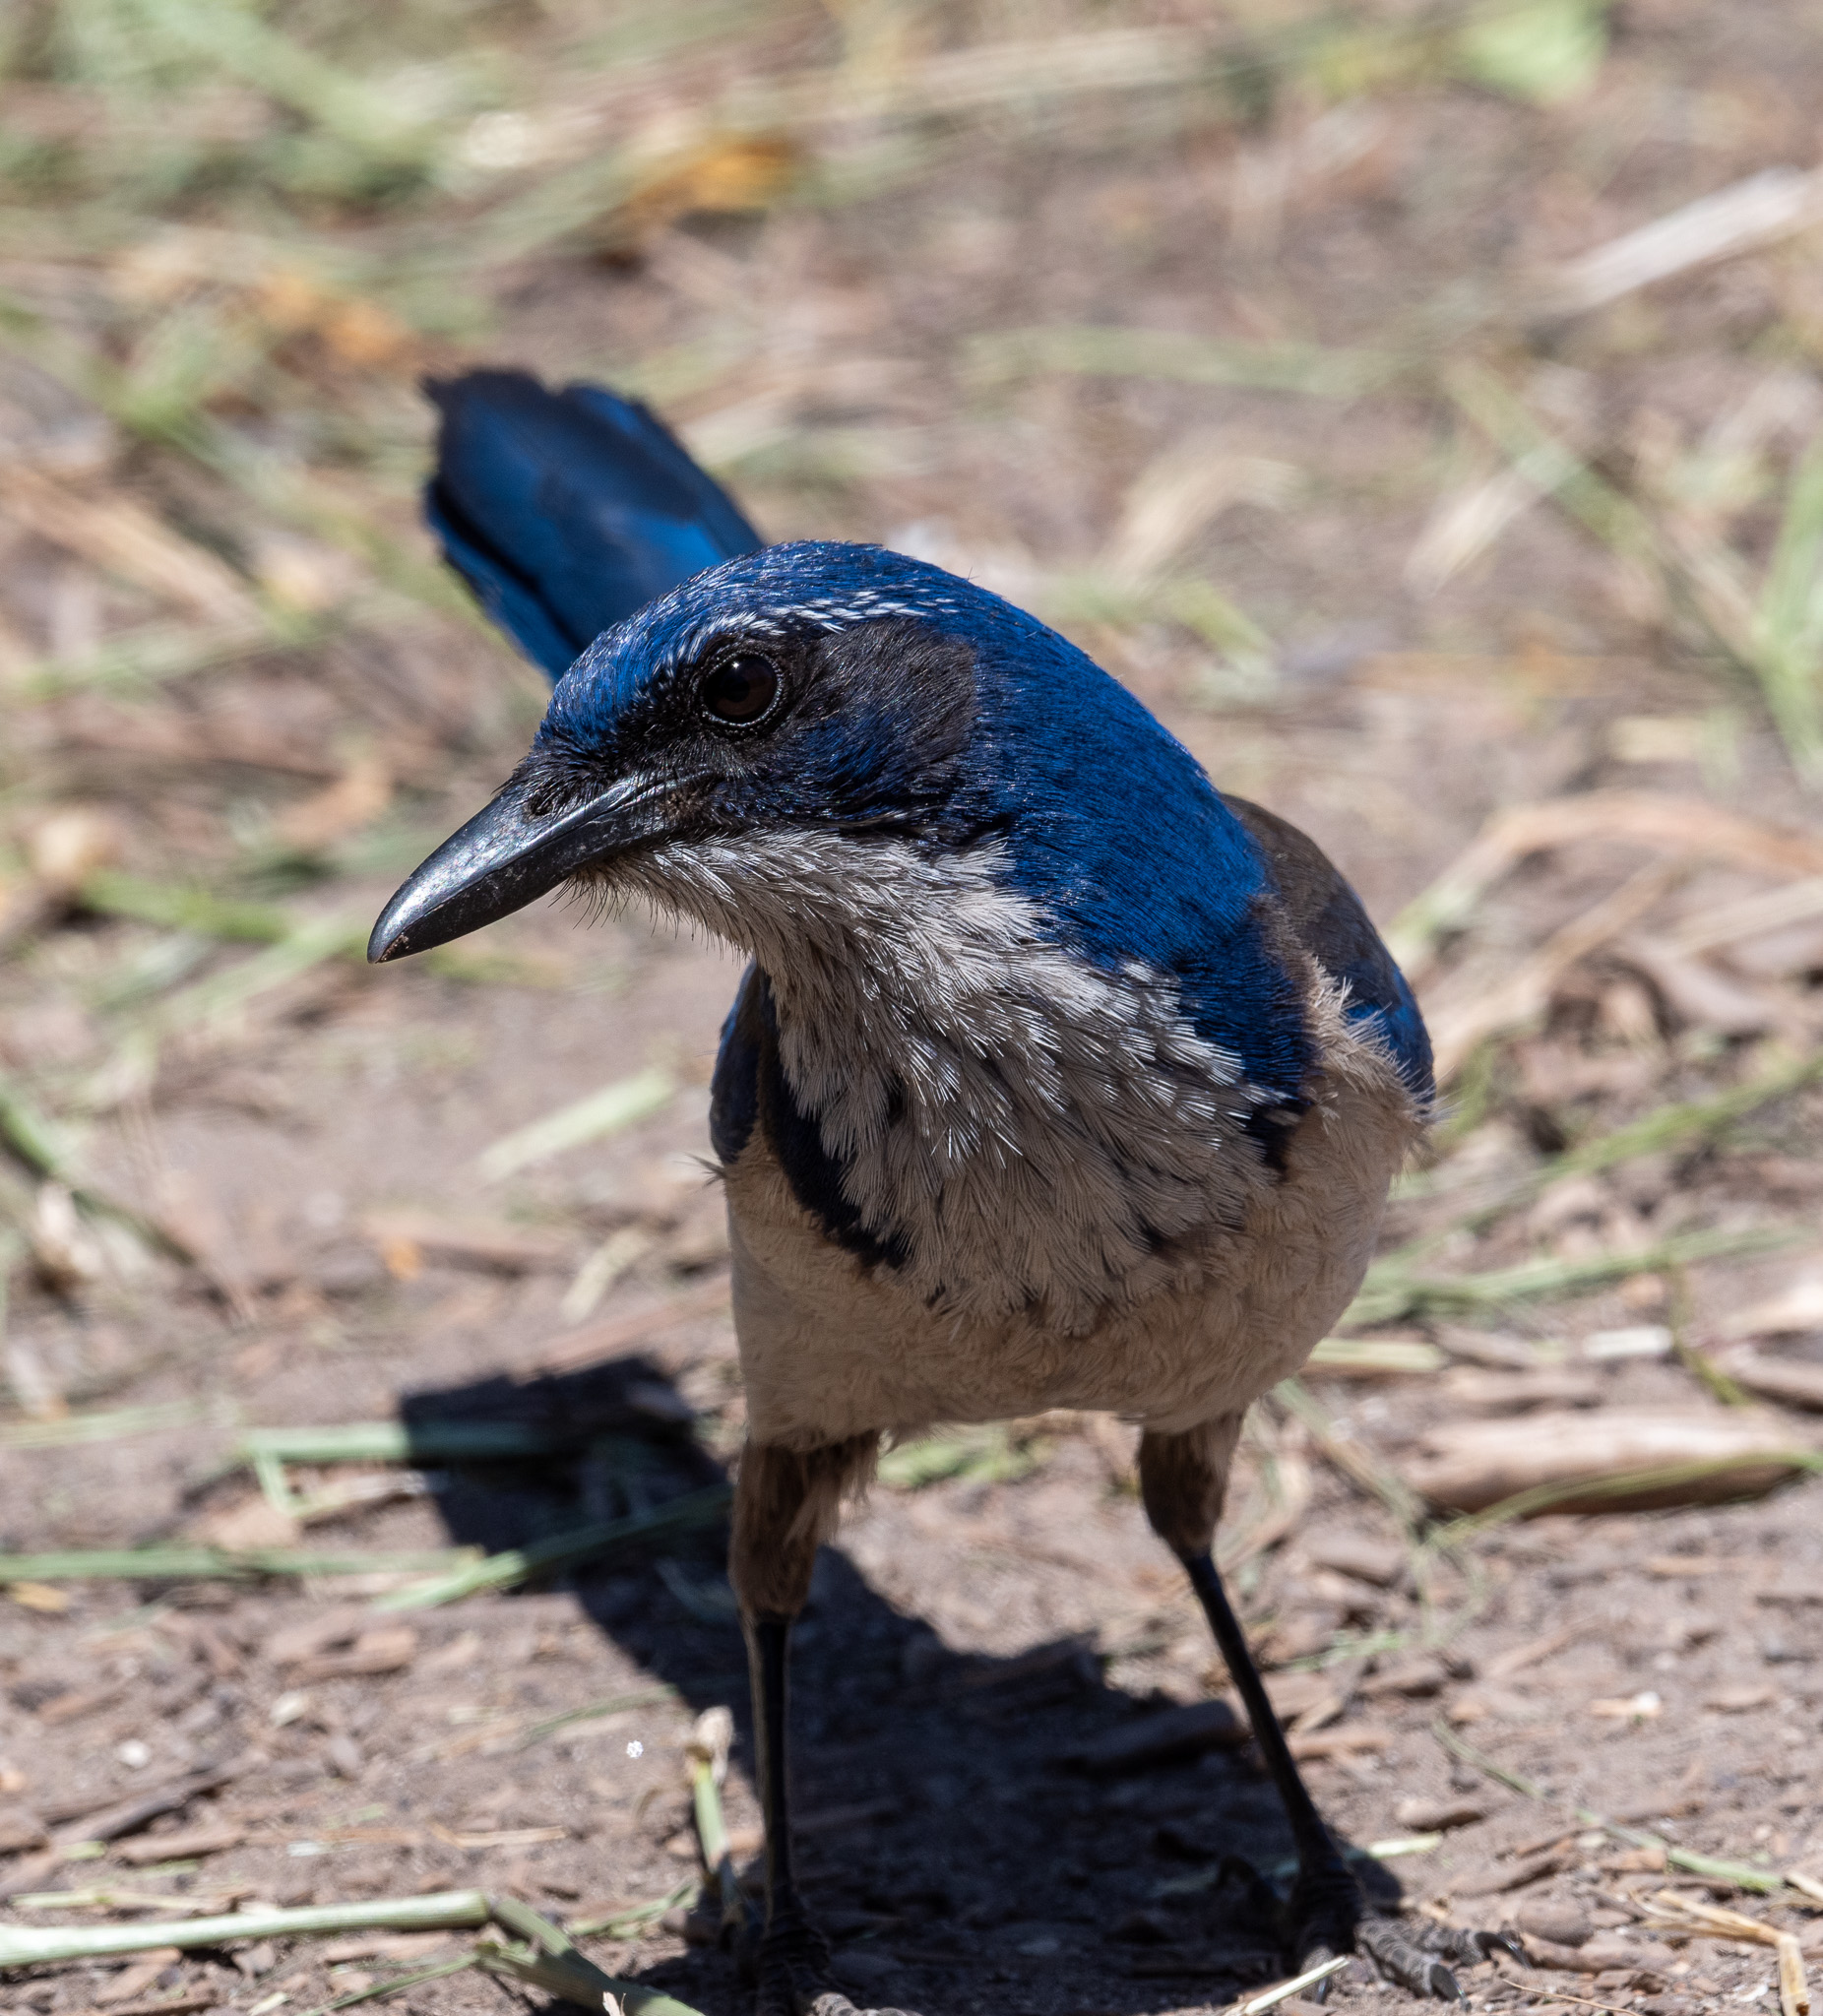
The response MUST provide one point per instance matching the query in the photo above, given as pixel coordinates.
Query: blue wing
(1326, 915)
(566, 511)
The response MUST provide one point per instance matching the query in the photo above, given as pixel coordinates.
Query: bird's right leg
(1183, 1479)
(787, 1503)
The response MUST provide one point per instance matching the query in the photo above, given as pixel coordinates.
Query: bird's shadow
(956, 1850)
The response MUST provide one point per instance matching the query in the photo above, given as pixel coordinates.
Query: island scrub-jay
(1058, 1078)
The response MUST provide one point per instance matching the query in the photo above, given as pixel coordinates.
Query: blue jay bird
(1058, 1078)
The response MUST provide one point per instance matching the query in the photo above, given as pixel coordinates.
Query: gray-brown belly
(831, 1348)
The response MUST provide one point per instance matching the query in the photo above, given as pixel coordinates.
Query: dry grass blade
(1682, 826)
(1086, 350)
(1748, 214)
(380, 1989)
(154, 655)
(1667, 1129)
(1791, 1382)
(125, 539)
(1374, 1357)
(620, 1924)
(1740, 1875)
(295, 947)
(1269, 1999)
(1285, 1490)
(616, 1704)
(1466, 523)
(1727, 924)
(1179, 493)
(1696, 1915)
(1778, 641)
(37, 1143)
(1459, 1027)
(1575, 1461)
(1706, 576)
(1352, 1458)
(1395, 1289)
(34, 1946)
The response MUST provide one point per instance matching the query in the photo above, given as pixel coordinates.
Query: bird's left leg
(1183, 1479)
(787, 1503)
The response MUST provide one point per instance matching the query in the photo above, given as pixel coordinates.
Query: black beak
(508, 857)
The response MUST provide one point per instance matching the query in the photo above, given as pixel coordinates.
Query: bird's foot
(1414, 1952)
(1326, 1915)
(794, 1974)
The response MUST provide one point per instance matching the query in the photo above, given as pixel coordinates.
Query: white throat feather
(1036, 1131)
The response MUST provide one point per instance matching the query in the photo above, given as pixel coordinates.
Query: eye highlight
(741, 690)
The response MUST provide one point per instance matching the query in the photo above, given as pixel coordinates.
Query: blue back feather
(565, 512)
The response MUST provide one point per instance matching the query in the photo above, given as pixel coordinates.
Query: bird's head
(833, 753)
(815, 689)
(821, 744)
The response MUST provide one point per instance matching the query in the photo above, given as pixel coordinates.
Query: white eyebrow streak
(822, 613)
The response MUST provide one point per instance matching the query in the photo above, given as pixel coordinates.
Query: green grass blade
(217, 1564)
(73, 1429)
(507, 1570)
(607, 1112)
(1788, 630)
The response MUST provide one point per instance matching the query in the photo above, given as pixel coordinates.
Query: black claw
(1490, 1943)
(1319, 1990)
(1441, 1983)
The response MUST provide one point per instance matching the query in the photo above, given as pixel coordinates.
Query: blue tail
(566, 511)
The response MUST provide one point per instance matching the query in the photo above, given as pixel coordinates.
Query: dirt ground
(1259, 347)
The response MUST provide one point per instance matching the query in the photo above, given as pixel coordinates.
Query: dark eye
(741, 689)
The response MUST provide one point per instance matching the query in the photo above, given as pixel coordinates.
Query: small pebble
(1544, 1918)
(1438, 1817)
